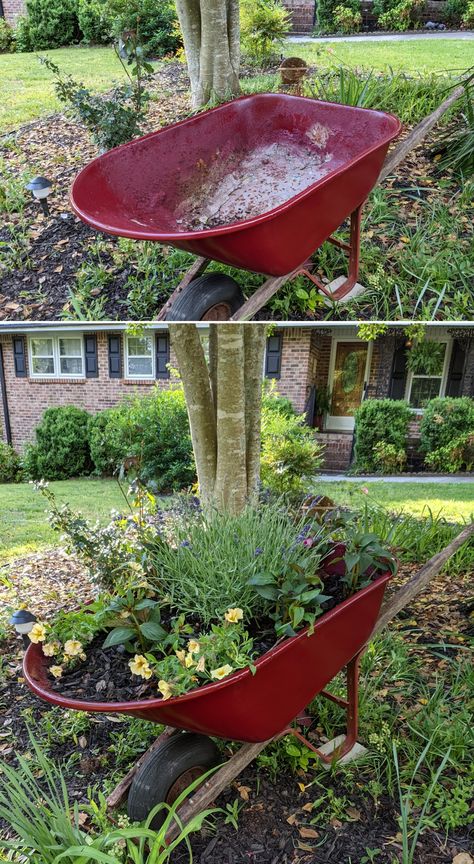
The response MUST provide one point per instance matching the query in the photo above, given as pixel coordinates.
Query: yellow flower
(165, 689)
(193, 646)
(221, 672)
(181, 655)
(140, 666)
(37, 633)
(188, 661)
(124, 613)
(51, 648)
(234, 615)
(56, 671)
(201, 664)
(73, 648)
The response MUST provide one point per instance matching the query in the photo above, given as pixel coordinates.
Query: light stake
(40, 187)
(23, 621)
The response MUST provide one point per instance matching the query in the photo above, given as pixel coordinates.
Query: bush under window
(61, 449)
(444, 421)
(52, 23)
(376, 421)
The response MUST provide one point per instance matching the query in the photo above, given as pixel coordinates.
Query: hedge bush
(154, 431)
(6, 37)
(22, 34)
(326, 21)
(62, 448)
(263, 27)
(52, 23)
(379, 420)
(456, 456)
(95, 21)
(444, 420)
(158, 26)
(10, 464)
(453, 12)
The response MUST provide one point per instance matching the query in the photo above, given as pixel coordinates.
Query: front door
(348, 378)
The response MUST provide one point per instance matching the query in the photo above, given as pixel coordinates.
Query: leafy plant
(157, 24)
(453, 457)
(52, 24)
(453, 11)
(290, 455)
(264, 25)
(347, 19)
(379, 420)
(327, 15)
(364, 556)
(61, 448)
(426, 358)
(403, 16)
(10, 464)
(95, 21)
(457, 148)
(22, 34)
(468, 17)
(388, 458)
(444, 420)
(6, 36)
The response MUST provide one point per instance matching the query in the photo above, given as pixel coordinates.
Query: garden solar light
(40, 187)
(23, 621)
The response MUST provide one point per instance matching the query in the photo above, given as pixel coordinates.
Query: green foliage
(405, 15)
(264, 25)
(290, 455)
(444, 421)
(52, 23)
(347, 19)
(155, 430)
(10, 465)
(426, 358)
(22, 34)
(6, 37)
(62, 448)
(379, 420)
(156, 24)
(95, 21)
(453, 457)
(453, 12)
(388, 458)
(468, 17)
(457, 148)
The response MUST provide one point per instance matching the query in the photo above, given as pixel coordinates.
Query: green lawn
(423, 55)
(455, 501)
(26, 87)
(23, 524)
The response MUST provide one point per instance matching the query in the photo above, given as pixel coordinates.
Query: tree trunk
(223, 398)
(211, 33)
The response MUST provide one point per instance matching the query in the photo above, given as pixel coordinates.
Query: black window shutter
(19, 356)
(398, 378)
(115, 356)
(273, 356)
(162, 355)
(90, 354)
(456, 370)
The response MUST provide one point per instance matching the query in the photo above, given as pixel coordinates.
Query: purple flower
(258, 551)
(185, 543)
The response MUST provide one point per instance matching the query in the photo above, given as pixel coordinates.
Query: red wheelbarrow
(253, 708)
(258, 183)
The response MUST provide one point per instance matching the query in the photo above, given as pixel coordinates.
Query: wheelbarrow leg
(196, 270)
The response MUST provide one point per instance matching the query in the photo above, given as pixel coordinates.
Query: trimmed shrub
(22, 35)
(263, 26)
(158, 27)
(379, 420)
(327, 14)
(95, 21)
(457, 456)
(153, 432)
(10, 464)
(444, 420)
(403, 16)
(6, 37)
(453, 12)
(468, 17)
(290, 455)
(52, 23)
(62, 445)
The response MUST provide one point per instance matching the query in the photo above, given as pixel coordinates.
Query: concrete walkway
(397, 478)
(393, 37)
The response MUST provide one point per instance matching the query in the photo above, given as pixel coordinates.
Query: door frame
(345, 424)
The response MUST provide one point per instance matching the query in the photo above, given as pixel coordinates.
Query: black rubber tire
(161, 770)
(202, 294)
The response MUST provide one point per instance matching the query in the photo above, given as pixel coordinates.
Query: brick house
(12, 9)
(66, 363)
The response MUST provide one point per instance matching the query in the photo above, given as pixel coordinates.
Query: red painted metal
(132, 191)
(247, 707)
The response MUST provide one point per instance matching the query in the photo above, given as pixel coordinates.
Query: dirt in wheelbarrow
(245, 184)
(105, 675)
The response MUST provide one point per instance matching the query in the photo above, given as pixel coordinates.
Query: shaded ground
(277, 823)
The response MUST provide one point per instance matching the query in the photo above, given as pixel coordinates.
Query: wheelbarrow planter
(137, 190)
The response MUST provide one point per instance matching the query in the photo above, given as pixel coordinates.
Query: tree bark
(223, 399)
(211, 34)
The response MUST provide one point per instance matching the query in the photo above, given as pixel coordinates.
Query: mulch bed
(55, 248)
(273, 826)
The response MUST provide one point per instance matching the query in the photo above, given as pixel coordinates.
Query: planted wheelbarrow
(258, 183)
(244, 707)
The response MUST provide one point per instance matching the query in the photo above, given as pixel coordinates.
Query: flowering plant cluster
(64, 654)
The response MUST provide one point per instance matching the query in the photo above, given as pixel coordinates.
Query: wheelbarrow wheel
(167, 772)
(212, 297)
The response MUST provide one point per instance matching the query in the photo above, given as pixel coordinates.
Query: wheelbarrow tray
(245, 706)
(136, 190)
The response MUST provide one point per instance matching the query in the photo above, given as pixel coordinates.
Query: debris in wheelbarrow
(174, 186)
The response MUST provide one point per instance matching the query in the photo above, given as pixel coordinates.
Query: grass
(23, 517)
(454, 501)
(26, 87)
(417, 56)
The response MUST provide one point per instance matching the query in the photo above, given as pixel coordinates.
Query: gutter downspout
(3, 390)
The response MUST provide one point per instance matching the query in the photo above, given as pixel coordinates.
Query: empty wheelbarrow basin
(292, 168)
(247, 707)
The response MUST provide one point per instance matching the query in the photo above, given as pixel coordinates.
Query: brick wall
(294, 381)
(302, 14)
(28, 398)
(13, 9)
(338, 449)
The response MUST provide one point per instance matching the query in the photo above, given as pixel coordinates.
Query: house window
(56, 356)
(427, 380)
(139, 357)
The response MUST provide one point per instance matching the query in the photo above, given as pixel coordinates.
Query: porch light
(40, 187)
(22, 620)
